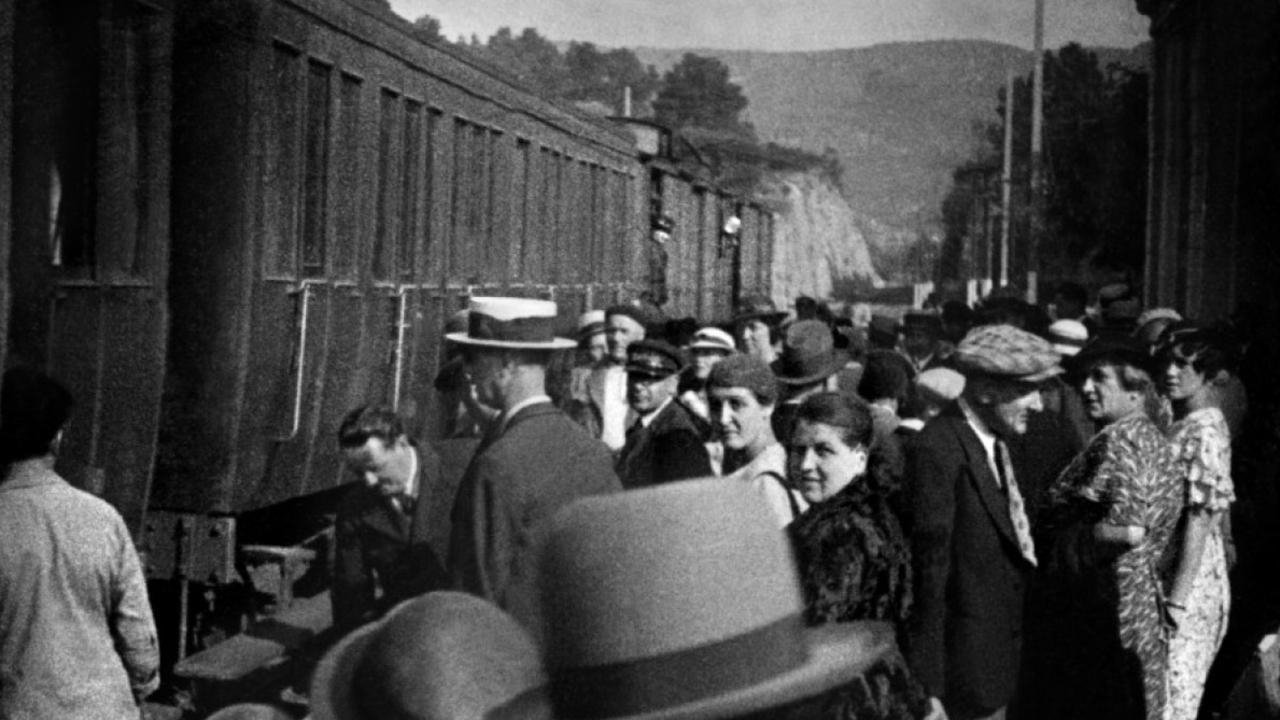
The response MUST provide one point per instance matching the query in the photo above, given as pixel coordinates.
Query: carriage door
(90, 228)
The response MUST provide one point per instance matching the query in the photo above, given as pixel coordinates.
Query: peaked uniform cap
(654, 358)
(1004, 351)
(508, 322)
(682, 601)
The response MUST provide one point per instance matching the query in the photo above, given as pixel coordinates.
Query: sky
(794, 25)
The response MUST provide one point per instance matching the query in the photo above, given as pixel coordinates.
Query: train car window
(544, 247)
(461, 200)
(389, 186)
(280, 189)
(316, 169)
(429, 186)
(348, 181)
(409, 193)
(482, 223)
(520, 175)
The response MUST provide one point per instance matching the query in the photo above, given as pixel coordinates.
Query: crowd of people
(996, 511)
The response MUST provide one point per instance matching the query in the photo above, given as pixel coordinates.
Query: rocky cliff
(819, 246)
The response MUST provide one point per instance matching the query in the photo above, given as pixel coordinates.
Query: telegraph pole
(1006, 181)
(1037, 155)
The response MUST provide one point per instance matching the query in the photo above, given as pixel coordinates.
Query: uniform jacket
(669, 448)
(965, 634)
(382, 555)
(77, 639)
(519, 476)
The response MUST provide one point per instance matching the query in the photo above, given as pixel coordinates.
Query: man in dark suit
(533, 460)
(971, 542)
(665, 442)
(382, 554)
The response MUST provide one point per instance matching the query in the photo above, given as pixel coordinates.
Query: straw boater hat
(439, 655)
(590, 324)
(712, 338)
(1068, 336)
(515, 323)
(680, 602)
(808, 354)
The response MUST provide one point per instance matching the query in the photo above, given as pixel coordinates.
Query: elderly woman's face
(1105, 397)
(819, 463)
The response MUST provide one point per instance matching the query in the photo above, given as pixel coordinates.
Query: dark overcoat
(519, 476)
(381, 555)
(669, 448)
(965, 634)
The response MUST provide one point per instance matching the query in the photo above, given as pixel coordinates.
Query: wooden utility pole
(1006, 181)
(1037, 155)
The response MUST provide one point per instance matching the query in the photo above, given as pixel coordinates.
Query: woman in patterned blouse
(1111, 515)
(1195, 362)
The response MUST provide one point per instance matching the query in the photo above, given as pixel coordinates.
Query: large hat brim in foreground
(331, 683)
(838, 653)
(557, 343)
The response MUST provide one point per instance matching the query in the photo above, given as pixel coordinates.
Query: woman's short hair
(369, 421)
(1210, 350)
(845, 412)
(33, 409)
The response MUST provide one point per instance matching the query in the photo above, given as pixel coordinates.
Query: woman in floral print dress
(1195, 362)
(1112, 513)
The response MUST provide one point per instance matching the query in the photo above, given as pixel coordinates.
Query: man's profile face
(485, 371)
(380, 465)
(1006, 406)
(620, 331)
(597, 347)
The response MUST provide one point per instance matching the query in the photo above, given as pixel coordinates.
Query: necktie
(405, 502)
(1017, 509)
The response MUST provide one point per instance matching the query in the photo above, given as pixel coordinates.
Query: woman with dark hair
(1195, 363)
(854, 561)
(1112, 513)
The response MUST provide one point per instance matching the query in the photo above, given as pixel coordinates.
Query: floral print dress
(1202, 444)
(1111, 645)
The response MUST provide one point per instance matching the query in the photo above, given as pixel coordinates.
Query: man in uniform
(533, 460)
(380, 537)
(665, 442)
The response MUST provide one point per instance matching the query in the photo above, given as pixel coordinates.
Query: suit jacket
(670, 448)
(378, 549)
(965, 634)
(519, 476)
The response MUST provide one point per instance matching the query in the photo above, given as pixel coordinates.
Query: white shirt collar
(511, 412)
(645, 420)
(985, 436)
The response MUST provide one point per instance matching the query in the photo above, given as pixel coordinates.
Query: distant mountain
(902, 115)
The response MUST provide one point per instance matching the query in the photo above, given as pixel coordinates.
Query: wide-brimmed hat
(654, 359)
(443, 654)
(712, 338)
(808, 354)
(683, 601)
(508, 322)
(1005, 352)
(883, 330)
(757, 307)
(1067, 336)
(929, 322)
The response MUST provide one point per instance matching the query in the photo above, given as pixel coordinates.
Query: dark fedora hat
(808, 354)
(679, 602)
(1116, 349)
(758, 307)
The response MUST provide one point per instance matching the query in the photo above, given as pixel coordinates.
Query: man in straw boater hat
(682, 602)
(533, 460)
(665, 442)
(971, 538)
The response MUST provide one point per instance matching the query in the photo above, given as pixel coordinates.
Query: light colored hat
(1158, 313)
(507, 322)
(439, 655)
(683, 601)
(250, 711)
(1006, 352)
(940, 384)
(712, 338)
(1068, 336)
(590, 323)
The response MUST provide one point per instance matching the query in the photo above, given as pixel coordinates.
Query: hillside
(901, 115)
